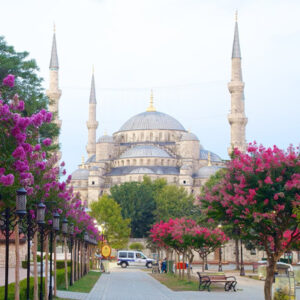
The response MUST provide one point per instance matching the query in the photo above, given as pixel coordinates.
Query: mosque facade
(151, 143)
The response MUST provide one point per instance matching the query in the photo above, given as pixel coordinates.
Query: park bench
(206, 279)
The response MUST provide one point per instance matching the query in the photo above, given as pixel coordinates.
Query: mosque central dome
(150, 120)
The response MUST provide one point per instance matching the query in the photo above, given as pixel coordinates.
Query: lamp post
(55, 228)
(41, 222)
(71, 231)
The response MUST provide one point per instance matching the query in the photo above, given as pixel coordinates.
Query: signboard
(105, 250)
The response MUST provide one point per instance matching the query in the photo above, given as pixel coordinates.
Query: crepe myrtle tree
(259, 194)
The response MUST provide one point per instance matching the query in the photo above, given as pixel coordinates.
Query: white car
(133, 258)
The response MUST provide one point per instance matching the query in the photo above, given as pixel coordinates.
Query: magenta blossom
(9, 80)
(47, 142)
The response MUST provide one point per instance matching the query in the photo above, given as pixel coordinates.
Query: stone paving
(11, 275)
(133, 284)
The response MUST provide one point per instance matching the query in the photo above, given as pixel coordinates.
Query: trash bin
(170, 264)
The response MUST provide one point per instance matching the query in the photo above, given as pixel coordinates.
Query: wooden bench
(206, 279)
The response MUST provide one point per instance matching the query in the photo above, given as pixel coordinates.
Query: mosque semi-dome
(145, 151)
(80, 174)
(207, 171)
(213, 157)
(188, 136)
(150, 120)
(105, 139)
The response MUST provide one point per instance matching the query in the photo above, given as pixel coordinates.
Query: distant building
(151, 143)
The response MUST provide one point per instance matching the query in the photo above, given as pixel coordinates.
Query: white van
(133, 258)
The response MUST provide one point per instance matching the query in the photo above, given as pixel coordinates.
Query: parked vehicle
(133, 258)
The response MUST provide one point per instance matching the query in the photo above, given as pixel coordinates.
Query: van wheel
(149, 265)
(124, 264)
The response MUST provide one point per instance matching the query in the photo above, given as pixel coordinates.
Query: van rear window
(123, 254)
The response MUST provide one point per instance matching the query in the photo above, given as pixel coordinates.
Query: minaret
(237, 118)
(92, 123)
(54, 92)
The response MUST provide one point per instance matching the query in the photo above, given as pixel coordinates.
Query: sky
(179, 48)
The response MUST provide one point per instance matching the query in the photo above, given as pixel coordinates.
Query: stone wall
(12, 254)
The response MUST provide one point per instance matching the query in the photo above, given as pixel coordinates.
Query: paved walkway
(133, 284)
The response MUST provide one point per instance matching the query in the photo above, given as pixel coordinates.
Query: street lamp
(41, 222)
(64, 226)
(71, 232)
(55, 227)
(21, 201)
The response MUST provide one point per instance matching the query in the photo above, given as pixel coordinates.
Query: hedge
(60, 278)
(23, 288)
(60, 264)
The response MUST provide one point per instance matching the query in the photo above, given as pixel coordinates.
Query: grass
(175, 284)
(83, 285)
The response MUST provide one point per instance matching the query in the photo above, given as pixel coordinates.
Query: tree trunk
(73, 265)
(176, 261)
(203, 264)
(66, 263)
(54, 269)
(237, 255)
(35, 267)
(17, 267)
(46, 266)
(270, 277)
(183, 265)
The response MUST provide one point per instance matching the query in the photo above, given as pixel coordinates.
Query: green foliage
(28, 85)
(60, 278)
(60, 264)
(108, 211)
(137, 200)
(136, 246)
(23, 289)
(174, 202)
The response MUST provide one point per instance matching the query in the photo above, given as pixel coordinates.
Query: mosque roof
(80, 174)
(152, 120)
(141, 170)
(105, 139)
(145, 151)
(159, 170)
(54, 58)
(214, 157)
(188, 136)
(207, 171)
(91, 159)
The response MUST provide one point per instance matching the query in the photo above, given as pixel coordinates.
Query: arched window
(142, 136)
(128, 162)
(151, 136)
(141, 162)
(162, 162)
(133, 137)
(148, 162)
(123, 163)
(134, 162)
(160, 136)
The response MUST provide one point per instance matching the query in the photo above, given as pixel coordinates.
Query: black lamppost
(64, 229)
(55, 228)
(41, 222)
(7, 223)
(71, 231)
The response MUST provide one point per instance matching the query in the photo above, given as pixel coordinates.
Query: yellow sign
(105, 250)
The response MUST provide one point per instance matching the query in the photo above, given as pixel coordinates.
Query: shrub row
(60, 264)
(23, 288)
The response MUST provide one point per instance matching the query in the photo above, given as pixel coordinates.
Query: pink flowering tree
(206, 241)
(258, 194)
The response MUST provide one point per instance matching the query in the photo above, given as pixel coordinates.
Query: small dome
(105, 139)
(80, 174)
(145, 151)
(141, 171)
(152, 120)
(206, 172)
(188, 136)
(213, 157)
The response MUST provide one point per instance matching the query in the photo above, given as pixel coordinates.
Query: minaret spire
(53, 92)
(237, 118)
(151, 106)
(92, 123)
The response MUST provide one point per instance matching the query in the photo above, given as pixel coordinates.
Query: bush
(23, 288)
(136, 246)
(60, 264)
(60, 278)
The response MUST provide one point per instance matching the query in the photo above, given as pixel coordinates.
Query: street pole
(51, 251)
(242, 273)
